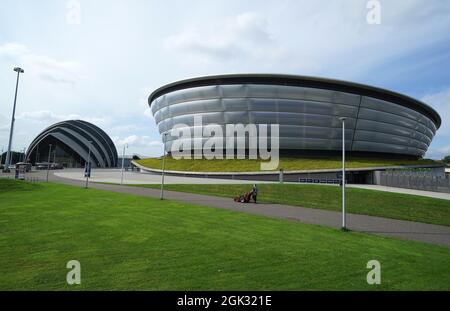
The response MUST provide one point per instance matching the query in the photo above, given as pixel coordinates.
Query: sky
(100, 60)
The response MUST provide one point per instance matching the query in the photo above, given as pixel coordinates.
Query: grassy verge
(288, 164)
(130, 242)
(359, 201)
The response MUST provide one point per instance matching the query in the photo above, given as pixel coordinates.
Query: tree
(15, 157)
(446, 159)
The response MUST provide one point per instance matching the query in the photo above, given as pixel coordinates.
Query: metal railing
(319, 181)
(418, 180)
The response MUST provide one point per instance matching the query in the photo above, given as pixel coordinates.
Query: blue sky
(103, 68)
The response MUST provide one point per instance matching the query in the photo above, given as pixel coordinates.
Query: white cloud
(137, 141)
(310, 38)
(124, 128)
(4, 127)
(440, 146)
(438, 153)
(441, 103)
(43, 67)
(337, 38)
(142, 105)
(148, 113)
(245, 36)
(49, 117)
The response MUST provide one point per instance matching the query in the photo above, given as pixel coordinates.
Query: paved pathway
(114, 176)
(409, 230)
(431, 194)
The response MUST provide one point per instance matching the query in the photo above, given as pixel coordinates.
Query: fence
(26, 178)
(418, 180)
(319, 181)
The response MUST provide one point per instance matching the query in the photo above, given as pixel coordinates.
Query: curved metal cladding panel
(306, 109)
(76, 135)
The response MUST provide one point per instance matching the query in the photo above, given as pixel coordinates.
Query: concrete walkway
(133, 178)
(431, 194)
(114, 176)
(409, 230)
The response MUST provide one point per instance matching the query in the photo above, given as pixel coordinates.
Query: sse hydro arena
(379, 122)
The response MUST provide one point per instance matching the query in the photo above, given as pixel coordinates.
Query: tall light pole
(344, 218)
(37, 154)
(1, 157)
(163, 166)
(48, 161)
(123, 160)
(11, 130)
(54, 156)
(87, 171)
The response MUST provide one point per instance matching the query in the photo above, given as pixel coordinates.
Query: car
(51, 166)
(56, 166)
(42, 166)
(24, 166)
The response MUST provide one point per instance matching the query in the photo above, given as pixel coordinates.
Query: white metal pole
(37, 153)
(11, 130)
(48, 161)
(88, 167)
(163, 167)
(123, 161)
(344, 220)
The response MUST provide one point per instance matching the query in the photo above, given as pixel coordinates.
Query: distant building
(73, 143)
(126, 162)
(15, 157)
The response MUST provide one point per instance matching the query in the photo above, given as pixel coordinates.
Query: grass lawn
(288, 164)
(359, 201)
(131, 242)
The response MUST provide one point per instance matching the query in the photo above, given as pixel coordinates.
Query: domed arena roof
(307, 109)
(80, 139)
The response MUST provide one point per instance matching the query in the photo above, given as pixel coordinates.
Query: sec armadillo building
(308, 110)
(73, 143)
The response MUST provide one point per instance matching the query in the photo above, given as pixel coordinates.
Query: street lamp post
(11, 130)
(344, 219)
(48, 161)
(123, 160)
(37, 155)
(87, 171)
(163, 167)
